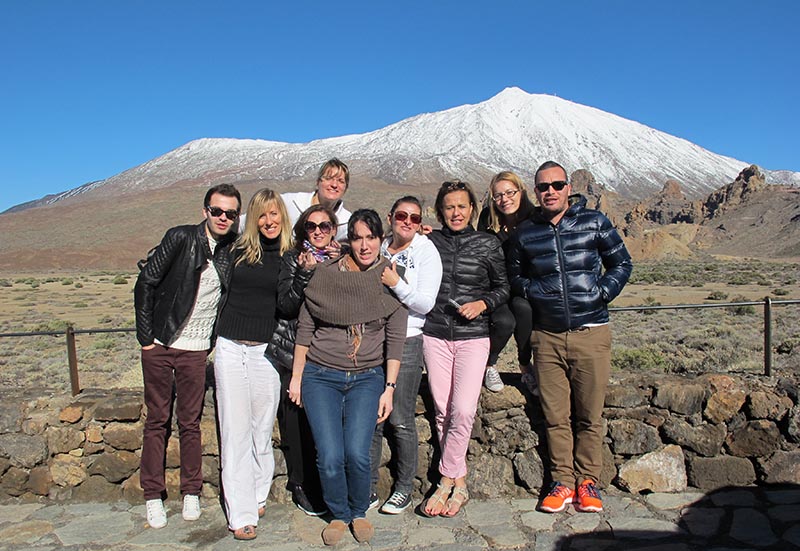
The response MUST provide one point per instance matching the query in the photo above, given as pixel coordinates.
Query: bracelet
(391, 385)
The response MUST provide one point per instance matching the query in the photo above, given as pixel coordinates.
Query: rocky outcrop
(749, 181)
(662, 435)
(669, 206)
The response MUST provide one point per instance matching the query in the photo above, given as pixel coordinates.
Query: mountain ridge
(513, 130)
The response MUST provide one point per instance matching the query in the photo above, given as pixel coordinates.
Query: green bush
(780, 292)
(741, 309)
(5, 283)
(67, 281)
(638, 359)
(717, 295)
(54, 325)
(104, 343)
(787, 346)
(80, 305)
(78, 285)
(120, 280)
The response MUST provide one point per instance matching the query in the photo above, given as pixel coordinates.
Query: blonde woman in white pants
(247, 384)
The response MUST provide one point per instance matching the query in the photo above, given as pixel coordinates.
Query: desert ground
(676, 341)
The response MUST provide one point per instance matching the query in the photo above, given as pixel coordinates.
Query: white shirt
(421, 277)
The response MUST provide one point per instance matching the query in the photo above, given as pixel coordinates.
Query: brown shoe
(362, 530)
(333, 532)
(245, 533)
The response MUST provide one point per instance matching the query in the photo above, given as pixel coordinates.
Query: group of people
(321, 319)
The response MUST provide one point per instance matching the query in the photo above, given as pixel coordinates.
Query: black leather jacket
(571, 271)
(473, 268)
(292, 281)
(166, 288)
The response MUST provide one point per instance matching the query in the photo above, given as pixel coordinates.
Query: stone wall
(663, 434)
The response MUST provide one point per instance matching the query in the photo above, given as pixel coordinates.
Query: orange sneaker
(589, 499)
(557, 499)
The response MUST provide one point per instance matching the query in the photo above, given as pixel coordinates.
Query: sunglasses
(402, 216)
(311, 227)
(453, 186)
(544, 186)
(216, 212)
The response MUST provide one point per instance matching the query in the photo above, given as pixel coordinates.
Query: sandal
(458, 499)
(245, 533)
(437, 499)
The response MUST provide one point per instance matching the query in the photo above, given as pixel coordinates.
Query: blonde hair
(496, 218)
(249, 242)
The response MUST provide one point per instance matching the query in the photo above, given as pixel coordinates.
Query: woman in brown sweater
(349, 327)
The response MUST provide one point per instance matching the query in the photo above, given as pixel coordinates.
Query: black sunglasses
(558, 186)
(324, 227)
(450, 186)
(401, 216)
(216, 212)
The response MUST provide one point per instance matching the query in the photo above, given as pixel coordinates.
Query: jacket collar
(450, 233)
(577, 202)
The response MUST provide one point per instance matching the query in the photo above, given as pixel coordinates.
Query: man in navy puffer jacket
(569, 262)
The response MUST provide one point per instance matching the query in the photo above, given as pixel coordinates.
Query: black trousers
(297, 442)
(515, 317)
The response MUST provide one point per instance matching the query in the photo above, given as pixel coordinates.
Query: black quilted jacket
(292, 282)
(571, 271)
(473, 268)
(167, 286)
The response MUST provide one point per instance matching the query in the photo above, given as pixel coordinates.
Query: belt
(248, 343)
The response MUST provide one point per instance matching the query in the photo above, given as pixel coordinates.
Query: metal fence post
(767, 336)
(72, 357)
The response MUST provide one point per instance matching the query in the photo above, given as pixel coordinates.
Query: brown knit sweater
(336, 300)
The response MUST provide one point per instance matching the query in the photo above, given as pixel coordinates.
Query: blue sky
(91, 88)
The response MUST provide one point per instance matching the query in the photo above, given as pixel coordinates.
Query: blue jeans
(402, 419)
(342, 409)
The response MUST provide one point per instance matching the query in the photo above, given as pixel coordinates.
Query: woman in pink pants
(456, 335)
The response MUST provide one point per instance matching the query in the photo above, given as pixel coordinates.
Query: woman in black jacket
(508, 205)
(456, 335)
(313, 237)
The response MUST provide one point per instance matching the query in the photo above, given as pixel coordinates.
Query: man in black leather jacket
(569, 262)
(176, 297)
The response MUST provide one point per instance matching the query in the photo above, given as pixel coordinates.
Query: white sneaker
(492, 380)
(191, 507)
(156, 514)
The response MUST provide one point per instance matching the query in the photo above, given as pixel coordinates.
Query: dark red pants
(165, 369)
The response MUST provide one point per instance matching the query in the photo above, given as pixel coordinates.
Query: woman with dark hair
(247, 384)
(350, 325)
(313, 237)
(507, 205)
(414, 277)
(456, 335)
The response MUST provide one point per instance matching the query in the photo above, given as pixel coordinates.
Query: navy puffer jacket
(473, 268)
(571, 271)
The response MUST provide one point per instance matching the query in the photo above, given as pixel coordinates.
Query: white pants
(248, 389)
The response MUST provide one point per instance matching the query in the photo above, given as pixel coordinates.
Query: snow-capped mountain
(513, 130)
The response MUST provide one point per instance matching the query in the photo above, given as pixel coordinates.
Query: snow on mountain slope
(513, 130)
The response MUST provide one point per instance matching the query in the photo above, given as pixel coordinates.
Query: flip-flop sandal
(439, 497)
(459, 498)
(245, 533)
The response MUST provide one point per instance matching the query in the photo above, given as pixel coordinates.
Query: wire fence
(72, 355)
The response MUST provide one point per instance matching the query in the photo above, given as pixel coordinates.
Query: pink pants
(455, 375)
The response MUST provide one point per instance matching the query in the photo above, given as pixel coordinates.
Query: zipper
(457, 241)
(563, 264)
